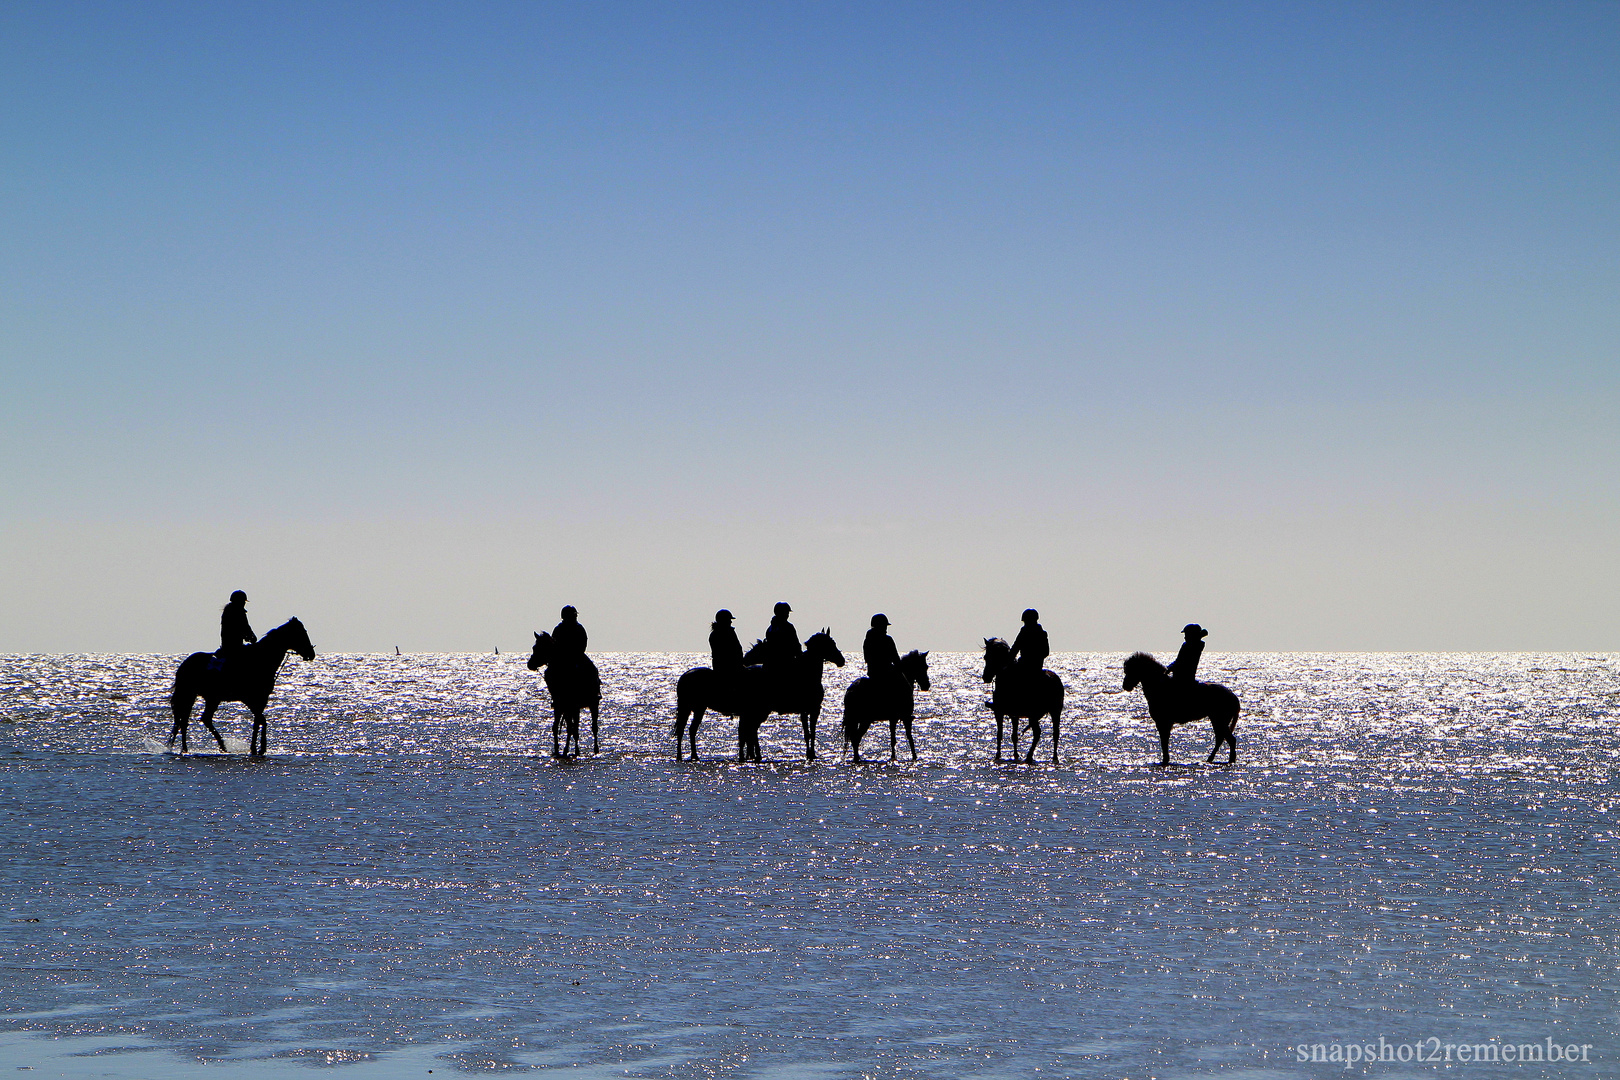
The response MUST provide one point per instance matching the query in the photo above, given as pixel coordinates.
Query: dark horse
(1169, 706)
(752, 694)
(1017, 697)
(796, 690)
(866, 702)
(248, 676)
(573, 687)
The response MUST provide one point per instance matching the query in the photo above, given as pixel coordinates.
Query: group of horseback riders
(781, 647)
(778, 675)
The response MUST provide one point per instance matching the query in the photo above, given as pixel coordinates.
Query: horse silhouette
(1016, 697)
(574, 686)
(793, 689)
(700, 690)
(754, 693)
(1169, 705)
(866, 702)
(248, 676)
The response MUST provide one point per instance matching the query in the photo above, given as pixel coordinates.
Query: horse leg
(1224, 733)
(259, 735)
(1164, 744)
(692, 728)
(1014, 722)
(556, 732)
(596, 731)
(1057, 715)
(207, 719)
(909, 740)
(998, 736)
(1034, 739)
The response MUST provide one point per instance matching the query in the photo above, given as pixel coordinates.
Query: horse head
(291, 636)
(997, 655)
(755, 653)
(822, 646)
(301, 643)
(542, 651)
(1140, 667)
(914, 666)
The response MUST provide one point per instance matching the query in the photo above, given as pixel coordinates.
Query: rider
(1184, 669)
(568, 639)
(882, 658)
(1030, 648)
(781, 640)
(725, 651)
(234, 630)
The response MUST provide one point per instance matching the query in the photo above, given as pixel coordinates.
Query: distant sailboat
(396, 650)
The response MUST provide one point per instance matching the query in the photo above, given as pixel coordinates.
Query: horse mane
(993, 643)
(283, 628)
(1144, 662)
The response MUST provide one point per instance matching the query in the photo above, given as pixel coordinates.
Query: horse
(700, 690)
(1018, 697)
(573, 687)
(1169, 706)
(866, 702)
(248, 675)
(796, 689)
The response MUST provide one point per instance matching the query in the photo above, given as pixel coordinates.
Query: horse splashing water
(1021, 695)
(1169, 705)
(574, 685)
(247, 675)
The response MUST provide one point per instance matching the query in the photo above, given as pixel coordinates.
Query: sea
(1409, 872)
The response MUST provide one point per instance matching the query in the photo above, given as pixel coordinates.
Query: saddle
(225, 658)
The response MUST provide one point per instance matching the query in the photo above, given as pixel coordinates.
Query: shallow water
(1412, 846)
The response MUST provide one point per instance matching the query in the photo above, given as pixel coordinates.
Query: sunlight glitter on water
(1410, 845)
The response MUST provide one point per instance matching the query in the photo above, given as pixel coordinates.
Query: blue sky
(421, 320)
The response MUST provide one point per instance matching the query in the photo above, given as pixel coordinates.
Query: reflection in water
(1413, 845)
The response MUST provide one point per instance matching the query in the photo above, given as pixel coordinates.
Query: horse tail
(688, 699)
(185, 692)
(181, 701)
(854, 705)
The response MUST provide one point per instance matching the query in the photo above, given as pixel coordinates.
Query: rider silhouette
(781, 640)
(725, 651)
(1030, 648)
(568, 639)
(882, 658)
(1184, 669)
(234, 631)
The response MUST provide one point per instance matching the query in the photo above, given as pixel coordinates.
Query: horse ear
(537, 635)
(925, 654)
